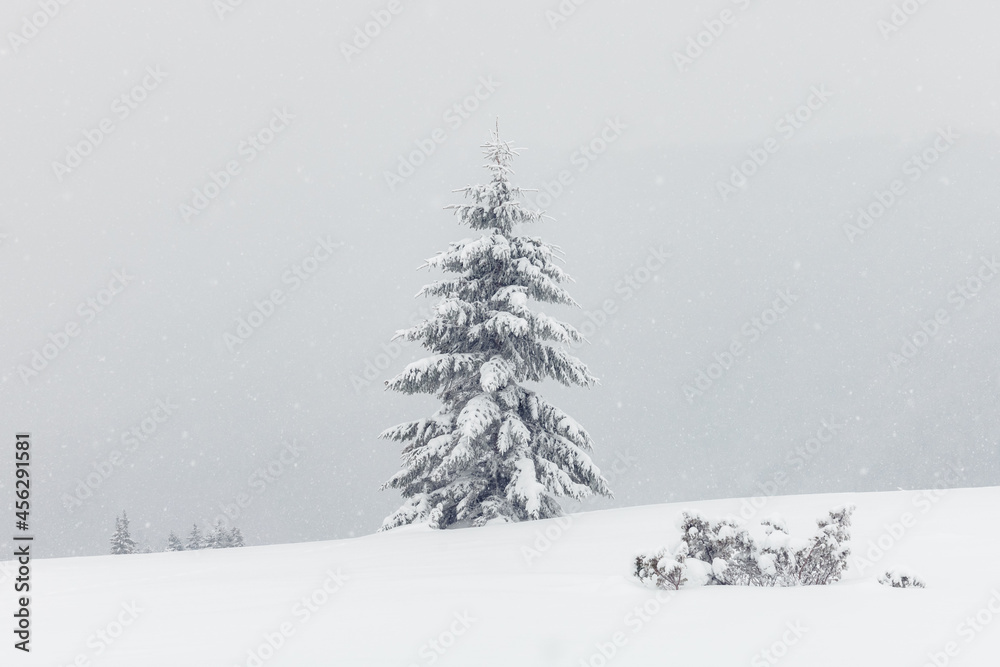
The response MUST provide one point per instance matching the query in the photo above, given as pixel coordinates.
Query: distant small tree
(236, 538)
(220, 537)
(195, 540)
(174, 543)
(121, 541)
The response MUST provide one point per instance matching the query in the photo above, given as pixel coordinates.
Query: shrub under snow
(898, 578)
(726, 553)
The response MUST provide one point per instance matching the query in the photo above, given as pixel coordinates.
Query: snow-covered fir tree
(495, 449)
(220, 537)
(236, 538)
(174, 543)
(121, 541)
(195, 539)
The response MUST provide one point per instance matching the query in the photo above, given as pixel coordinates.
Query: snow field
(555, 592)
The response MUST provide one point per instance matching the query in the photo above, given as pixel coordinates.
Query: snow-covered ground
(555, 592)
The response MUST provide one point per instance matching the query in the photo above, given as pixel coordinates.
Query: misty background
(312, 373)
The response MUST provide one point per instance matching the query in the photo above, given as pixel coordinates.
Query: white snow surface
(483, 597)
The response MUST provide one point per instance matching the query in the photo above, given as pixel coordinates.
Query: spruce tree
(121, 541)
(220, 537)
(236, 538)
(495, 449)
(195, 539)
(174, 543)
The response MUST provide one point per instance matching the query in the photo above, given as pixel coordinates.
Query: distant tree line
(218, 538)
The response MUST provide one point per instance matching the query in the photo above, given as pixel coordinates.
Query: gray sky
(329, 127)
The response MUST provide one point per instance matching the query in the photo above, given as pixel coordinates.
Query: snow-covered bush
(724, 545)
(662, 569)
(898, 578)
(726, 553)
(826, 557)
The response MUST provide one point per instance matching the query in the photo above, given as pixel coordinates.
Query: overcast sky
(313, 127)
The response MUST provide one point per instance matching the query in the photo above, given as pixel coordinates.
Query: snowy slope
(382, 599)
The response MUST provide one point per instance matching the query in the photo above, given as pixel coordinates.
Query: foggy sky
(554, 86)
